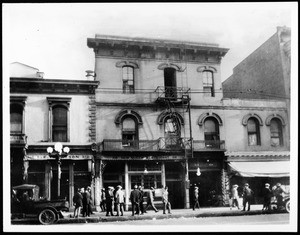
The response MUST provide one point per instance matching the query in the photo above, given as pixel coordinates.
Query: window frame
(55, 102)
(279, 132)
(253, 133)
(207, 85)
(133, 133)
(127, 88)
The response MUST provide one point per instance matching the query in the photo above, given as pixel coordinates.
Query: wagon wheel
(287, 206)
(47, 216)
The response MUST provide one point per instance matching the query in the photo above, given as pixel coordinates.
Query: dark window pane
(60, 125)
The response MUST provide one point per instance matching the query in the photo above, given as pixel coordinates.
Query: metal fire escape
(174, 99)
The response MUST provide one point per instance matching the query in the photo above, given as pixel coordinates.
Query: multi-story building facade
(257, 97)
(156, 102)
(42, 113)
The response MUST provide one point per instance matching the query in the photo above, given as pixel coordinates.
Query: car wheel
(47, 216)
(287, 206)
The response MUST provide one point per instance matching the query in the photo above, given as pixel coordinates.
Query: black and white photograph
(150, 117)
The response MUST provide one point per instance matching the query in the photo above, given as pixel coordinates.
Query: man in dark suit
(134, 198)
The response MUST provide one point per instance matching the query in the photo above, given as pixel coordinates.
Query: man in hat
(234, 197)
(267, 194)
(278, 193)
(150, 200)
(134, 198)
(103, 200)
(196, 198)
(120, 200)
(247, 196)
(109, 201)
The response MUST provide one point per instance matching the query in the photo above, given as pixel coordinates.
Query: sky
(53, 37)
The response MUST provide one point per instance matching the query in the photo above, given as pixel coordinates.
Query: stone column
(71, 184)
(163, 174)
(48, 176)
(186, 185)
(127, 187)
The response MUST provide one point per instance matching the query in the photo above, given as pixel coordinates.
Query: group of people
(113, 200)
(248, 196)
(83, 202)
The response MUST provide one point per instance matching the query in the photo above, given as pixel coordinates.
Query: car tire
(287, 206)
(47, 216)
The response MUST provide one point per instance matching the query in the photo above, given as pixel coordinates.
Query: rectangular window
(208, 83)
(128, 80)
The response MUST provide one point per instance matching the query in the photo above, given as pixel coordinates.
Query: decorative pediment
(161, 118)
(200, 69)
(270, 117)
(170, 65)
(128, 112)
(245, 119)
(123, 63)
(209, 114)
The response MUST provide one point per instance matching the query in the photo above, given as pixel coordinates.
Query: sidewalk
(176, 213)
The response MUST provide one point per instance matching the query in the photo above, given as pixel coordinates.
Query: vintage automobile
(27, 203)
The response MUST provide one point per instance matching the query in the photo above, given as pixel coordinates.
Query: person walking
(134, 198)
(85, 203)
(109, 201)
(103, 200)
(77, 201)
(150, 200)
(267, 195)
(234, 197)
(196, 198)
(165, 200)
(247, 196)
(120, 200)
(141, 200)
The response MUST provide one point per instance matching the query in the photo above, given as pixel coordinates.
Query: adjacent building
(258, 96)
(42, 113)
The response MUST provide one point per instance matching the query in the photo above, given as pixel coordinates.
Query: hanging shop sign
(47, 157)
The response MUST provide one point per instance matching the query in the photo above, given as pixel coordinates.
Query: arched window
(128, 79)
(172, 132)
(59, 124)
(208, 83)
(253, 132)
(276, 132)
(211, 133)
(16, 118)
(129, 132)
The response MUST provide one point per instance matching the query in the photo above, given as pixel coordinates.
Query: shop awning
(261, 169)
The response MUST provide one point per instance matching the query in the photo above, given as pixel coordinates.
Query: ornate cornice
(50, 86)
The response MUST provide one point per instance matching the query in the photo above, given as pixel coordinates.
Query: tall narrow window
(129, 132)
(253, 132)
(172, 132)
(170, 83)
(211, 133)
(60, 124)
(276, 132)
(208, 83)
(16, 119)
(128, 79)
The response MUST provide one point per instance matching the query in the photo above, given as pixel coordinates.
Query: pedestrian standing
(109, 201)
(247, 196)
(234, 197)
(85, 201)
(134, 198)
(267, 195)
(120, 200)
(103, 200)
(150, 200)
(90, 201)
(278, 193)
(141, 200)
(165, 200)
(77, 201)
(196, 198)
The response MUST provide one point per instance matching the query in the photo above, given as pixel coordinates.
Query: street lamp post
(58, 152)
